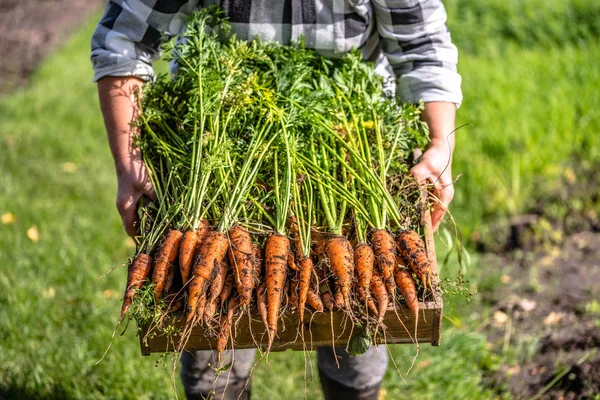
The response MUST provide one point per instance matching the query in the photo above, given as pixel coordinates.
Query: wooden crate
(317, 327)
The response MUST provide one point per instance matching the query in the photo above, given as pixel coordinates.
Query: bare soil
(31, 29)
(546, 319)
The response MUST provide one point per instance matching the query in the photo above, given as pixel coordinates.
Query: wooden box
(317, 327)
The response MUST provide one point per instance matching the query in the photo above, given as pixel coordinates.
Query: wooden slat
(318, 330)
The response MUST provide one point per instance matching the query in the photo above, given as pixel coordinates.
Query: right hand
(133, 182)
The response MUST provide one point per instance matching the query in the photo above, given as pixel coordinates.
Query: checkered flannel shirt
(407, 39)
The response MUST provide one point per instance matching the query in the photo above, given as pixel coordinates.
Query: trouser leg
(356, 378)
(198, 376)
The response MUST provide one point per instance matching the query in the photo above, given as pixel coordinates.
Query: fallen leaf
(553, 318)
(33, 234)
(8, 218)
(382, 394)
(69, 167)
(423, 364)
(505, 279)
(49, 293)
(500, 317)
(569, 175)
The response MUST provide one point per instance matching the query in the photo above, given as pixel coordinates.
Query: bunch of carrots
(282, 182)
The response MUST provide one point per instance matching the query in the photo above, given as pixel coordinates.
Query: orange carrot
(384, 249)
(364, 259)
(186, 254)
(216, 287)
(314, 301)
(306, 271)
(380, 294)
(328, 302)
(261, 295)
(338, 298)
(164, 261)
(277, 249)
(341, 260)
(294, 291)
(406, 284)
(137, 273)
(206, 265)
(257, 262)
(190, 241)
(412, 250)
(225, 331)
(170, 279)
(200, 309)
(226, 290)
(240, 257)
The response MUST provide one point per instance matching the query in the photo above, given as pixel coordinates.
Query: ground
(545, 318)
(532, 330)
(33, 29)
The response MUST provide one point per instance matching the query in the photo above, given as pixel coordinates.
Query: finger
(127, 208)
(148, 190)
(444, 194)
(421, 173)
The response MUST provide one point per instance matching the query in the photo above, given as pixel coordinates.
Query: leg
(357, 377)
(198, 377)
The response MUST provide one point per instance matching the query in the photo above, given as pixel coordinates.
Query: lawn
(530, 110)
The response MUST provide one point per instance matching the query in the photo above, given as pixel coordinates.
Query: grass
(531, 110)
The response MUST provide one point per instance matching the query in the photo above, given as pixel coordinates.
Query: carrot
(137, 273)
(306, 270)
(380, 294)
(226, 290)
(216, 287)
(200, 309)
(338, 298)
(277, 249)
(225, 331)
(261, 300)
(314, 301)
(206, 266)
(412, 250)
(364, 260)
(341, 260)
(294, 291)
(164, 261)
(406, 284)
(240, 257)
(384, 249)
(257, 262)
(186, 254)
(328, 302)
(188, 248)
(170, 279)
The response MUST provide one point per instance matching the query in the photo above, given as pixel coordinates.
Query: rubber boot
(333, 390)
(234, 391)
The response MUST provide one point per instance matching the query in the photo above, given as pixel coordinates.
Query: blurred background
(527, 203)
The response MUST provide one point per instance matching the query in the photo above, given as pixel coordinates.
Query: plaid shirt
(407, 39)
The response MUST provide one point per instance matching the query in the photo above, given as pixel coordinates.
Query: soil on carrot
(31, 30)
(545, 319)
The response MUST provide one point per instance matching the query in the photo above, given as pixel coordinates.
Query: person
(407, 39)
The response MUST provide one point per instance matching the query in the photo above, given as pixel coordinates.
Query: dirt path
(546, 318)
(31, 29)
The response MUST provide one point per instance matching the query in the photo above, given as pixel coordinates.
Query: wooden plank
(317, 331)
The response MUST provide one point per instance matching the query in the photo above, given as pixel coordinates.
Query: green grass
(530, 110)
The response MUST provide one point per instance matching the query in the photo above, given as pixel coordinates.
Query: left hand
(435, 167)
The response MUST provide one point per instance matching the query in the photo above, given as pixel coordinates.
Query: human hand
(133, 181)
(435, 168)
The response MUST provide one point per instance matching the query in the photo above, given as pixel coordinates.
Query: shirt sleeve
(417, 44)
(127, 39)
